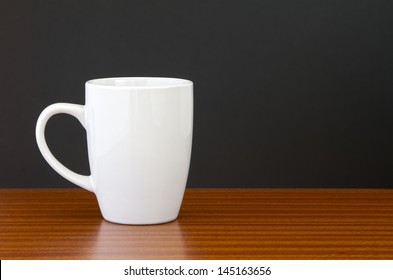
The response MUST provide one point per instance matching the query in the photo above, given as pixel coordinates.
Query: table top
(213, 224)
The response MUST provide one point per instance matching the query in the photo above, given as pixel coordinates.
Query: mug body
(139, 137)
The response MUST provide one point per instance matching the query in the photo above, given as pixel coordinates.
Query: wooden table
(213, 224)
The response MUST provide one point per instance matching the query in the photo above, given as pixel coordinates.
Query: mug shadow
(124, 242)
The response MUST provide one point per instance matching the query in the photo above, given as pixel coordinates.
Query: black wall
(287, 93)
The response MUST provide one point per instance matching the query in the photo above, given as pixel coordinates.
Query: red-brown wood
(213, 224)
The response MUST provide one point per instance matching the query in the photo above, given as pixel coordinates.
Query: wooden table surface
(213, 224)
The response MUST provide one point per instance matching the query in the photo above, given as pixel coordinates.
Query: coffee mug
(139, 137)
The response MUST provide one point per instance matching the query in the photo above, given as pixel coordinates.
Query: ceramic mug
(139, 137)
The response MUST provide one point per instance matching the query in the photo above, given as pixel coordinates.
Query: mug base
(139, 223)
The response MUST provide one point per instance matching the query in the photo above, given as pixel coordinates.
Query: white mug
(139, 137)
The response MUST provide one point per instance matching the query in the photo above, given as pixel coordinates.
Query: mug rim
(155, 82)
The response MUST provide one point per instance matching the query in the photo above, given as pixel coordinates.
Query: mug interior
(139, 82)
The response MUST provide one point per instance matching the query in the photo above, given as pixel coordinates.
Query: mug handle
(78, 111)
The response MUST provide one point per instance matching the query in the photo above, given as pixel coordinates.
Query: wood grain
(213, 224)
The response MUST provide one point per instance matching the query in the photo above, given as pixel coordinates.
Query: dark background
(287, 93)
